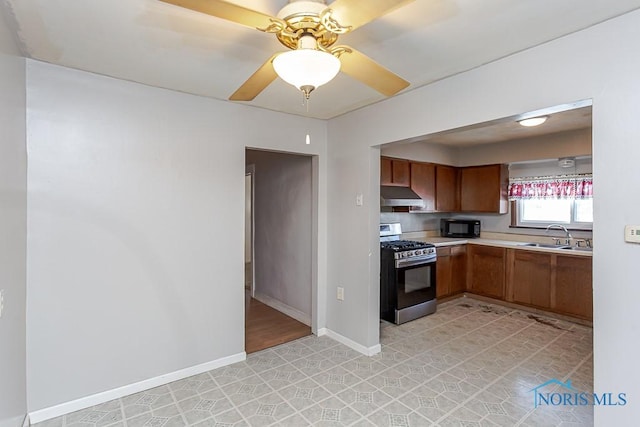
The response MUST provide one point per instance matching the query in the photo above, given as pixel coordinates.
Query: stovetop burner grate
(402, 245)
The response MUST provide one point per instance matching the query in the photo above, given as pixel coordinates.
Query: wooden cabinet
(394, 172)
(423, 182)
(484, 189)
(450, 189)
(550, 281)
(529, 276)
(458, 269)
(443, 272)
(486, 270)
(447, 189)
(451, 270)
(572, 292)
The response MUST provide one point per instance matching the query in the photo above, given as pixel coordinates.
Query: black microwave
(467, 228)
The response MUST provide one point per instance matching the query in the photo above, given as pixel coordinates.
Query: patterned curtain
(551, 187)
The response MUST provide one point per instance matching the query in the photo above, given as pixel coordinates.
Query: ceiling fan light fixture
(533, 121)
(306, 69)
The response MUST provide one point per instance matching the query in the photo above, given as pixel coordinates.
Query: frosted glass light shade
(306, 67)
(534, 121)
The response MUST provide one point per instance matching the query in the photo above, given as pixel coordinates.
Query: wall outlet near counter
(340, 293)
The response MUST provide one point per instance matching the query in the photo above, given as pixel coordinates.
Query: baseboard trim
(284, 308)
(116, 393)
(367, 351)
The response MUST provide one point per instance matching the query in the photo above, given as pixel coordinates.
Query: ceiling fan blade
(257, 82)
(356, 13)
(225, 10)
(361, 67)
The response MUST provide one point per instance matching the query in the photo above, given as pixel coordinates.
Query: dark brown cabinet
(573, 287)
(451, 270)
(423, 182)
(529, 276)
(486, 270)
(447, 189)
(484, 189)
(550, 281)
(395, 172)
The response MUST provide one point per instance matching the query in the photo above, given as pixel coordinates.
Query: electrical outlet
(340, 293)
(1, 301)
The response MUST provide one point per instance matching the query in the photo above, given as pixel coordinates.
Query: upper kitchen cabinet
(395, 172)
(423, 182)
(484, 189)
(447, 189)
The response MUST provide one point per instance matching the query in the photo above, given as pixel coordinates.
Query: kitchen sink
(547, 245)
(552, 246)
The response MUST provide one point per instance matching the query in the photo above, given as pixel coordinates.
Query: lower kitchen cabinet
(550, 281)
(486, 270)
(573, 293)
(451, 270)
(529, 278)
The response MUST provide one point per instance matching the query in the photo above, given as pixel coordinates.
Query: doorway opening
(278, 248)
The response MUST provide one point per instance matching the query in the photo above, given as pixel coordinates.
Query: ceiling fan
(310, 29)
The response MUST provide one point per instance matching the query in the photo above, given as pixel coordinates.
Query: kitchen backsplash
(491, 223)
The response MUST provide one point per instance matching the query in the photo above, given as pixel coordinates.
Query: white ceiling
(162, 45)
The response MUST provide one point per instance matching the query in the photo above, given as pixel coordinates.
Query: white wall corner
(367, 351)
(106, 396)
(19, 421)
(284, 308)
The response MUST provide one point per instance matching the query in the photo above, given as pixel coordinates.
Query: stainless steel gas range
(407, 276)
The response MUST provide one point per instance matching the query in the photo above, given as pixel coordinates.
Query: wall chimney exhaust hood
(399, 196)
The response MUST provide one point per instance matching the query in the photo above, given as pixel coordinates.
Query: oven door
(415, 282)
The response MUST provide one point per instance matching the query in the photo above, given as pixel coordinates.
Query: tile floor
(470, 364)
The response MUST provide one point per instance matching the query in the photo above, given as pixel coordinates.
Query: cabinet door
(529, 277)
(484, 189)
(447, 189)
(486, 270)
(400, 173)
(394, 172)
(423, 182)
(573, 294)
(386, 177)
(443, 272)
(458, 269)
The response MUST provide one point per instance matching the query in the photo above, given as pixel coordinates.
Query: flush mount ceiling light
(533, 121)
(306, 68)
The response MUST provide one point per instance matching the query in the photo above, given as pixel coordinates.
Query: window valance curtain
(551, 187)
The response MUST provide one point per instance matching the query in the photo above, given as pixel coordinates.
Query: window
(572, 213)
(541, 201)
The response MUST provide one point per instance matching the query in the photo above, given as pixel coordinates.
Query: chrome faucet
(563, 228)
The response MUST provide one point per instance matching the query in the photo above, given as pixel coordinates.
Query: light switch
(632, 233)
(1, 301)
(359, 200)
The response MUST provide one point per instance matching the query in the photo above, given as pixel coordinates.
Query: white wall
(13, 231)
(136, 219)
(601, 63)
(283, 228)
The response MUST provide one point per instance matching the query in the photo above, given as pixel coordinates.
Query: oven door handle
(429, 259)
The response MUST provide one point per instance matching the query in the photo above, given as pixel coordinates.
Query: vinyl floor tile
(469, 364)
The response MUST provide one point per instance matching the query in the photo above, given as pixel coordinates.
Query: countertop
(445, 241)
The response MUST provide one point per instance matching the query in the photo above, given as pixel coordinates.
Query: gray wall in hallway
(283, 227)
